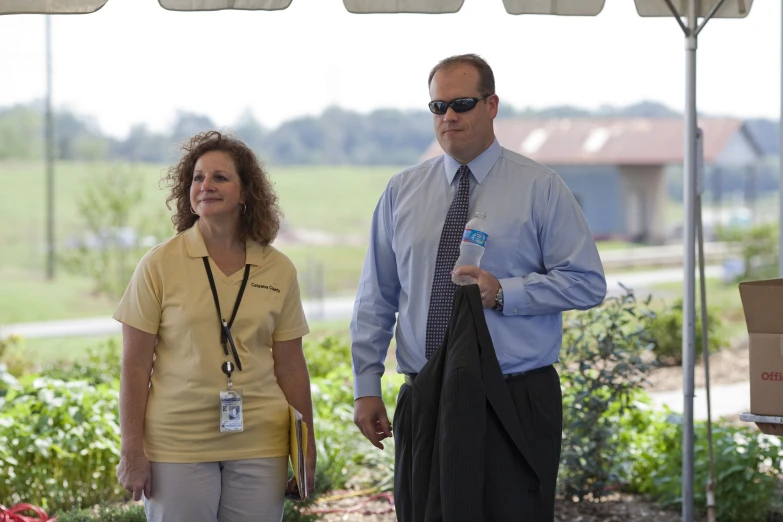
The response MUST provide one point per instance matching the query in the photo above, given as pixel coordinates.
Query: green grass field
(335, 200)
(28, 296)
(339, 200)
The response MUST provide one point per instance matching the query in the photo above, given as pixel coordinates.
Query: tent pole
(49, 155)
(689, 265)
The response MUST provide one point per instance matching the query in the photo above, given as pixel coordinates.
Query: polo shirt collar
(194, 243)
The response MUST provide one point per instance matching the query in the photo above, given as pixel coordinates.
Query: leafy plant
(7, 378)
(344, 456)
(326, 356)
(604, 364)
(747, 466)
(59, 444)
(665, 330)
(342, 452)
(12, 363)
(102, 366)
(59, 435)
(299, 511)
(7, 381)
(4, 344)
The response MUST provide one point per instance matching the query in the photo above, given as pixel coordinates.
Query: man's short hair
(486, 76)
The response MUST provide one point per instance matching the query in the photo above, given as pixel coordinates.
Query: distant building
(616, 167)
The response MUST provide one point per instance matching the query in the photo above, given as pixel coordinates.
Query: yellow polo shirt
(169, 296)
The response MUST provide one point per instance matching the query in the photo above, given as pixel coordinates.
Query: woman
(205, 435)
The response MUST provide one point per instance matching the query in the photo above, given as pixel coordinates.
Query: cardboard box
(763, 305)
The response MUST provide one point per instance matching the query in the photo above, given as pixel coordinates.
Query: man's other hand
(369, 414)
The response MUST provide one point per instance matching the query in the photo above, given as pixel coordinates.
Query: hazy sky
(135, 62)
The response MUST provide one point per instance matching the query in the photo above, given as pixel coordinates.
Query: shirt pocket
(501, 248)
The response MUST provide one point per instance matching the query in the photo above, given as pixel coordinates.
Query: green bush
(59, 444)
(342, 451)
(59, 435)
(114, 513)
(4, 344)
(344, 455)
(665, 331)
(759, 250)
(102, 366)
(7, 381)
(12, 363)
(328, 356)
(602, 371)
(747, 466)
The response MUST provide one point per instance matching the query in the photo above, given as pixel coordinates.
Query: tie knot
(463, 174)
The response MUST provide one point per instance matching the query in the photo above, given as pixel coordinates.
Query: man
(540, 259)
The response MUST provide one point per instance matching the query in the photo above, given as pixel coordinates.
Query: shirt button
(515, 310)
(533, 492)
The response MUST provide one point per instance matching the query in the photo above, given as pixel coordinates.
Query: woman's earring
(244, 207)
(192, 211)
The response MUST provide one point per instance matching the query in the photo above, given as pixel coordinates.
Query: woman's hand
(310, 466)
(134, 474)
(292, 490)
(293, 379)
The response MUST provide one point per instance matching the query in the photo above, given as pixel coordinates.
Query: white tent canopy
(50, 6)
(704, 8)
(730, 9)
(215, 5)
(687, 14)
(556, 7)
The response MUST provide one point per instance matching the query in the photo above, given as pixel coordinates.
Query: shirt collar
(194, 242)
(480, 166)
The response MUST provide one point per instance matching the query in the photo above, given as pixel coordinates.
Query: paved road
(327, 309)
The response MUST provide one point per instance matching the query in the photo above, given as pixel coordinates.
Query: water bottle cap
(480, 214)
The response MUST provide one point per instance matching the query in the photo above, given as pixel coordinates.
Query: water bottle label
(474, 236)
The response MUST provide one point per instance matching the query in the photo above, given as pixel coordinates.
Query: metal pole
(689, 262)
(49, 139)
(700, 188)
(780, 155)
(705, 343)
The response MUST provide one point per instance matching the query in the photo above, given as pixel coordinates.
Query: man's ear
(494, 103)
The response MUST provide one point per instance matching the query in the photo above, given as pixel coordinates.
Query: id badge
(231, 411)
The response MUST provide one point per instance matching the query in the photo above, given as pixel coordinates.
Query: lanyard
(225, 328)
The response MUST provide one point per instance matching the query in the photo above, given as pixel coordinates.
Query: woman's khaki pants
(232, 491)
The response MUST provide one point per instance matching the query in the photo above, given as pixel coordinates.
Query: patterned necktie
(442, 294)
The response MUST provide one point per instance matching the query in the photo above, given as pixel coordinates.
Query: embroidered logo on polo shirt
(267, 287)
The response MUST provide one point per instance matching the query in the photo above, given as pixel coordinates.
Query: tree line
(335, 137)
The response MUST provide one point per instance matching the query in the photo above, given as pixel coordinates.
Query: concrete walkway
(727, 400)
(322, 310)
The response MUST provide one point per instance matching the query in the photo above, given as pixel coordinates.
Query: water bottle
(474, 239)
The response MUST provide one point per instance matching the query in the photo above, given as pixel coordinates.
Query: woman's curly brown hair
(261, 219)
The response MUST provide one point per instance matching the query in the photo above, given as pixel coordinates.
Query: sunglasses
(458, 105)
